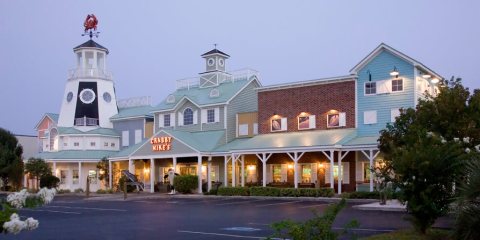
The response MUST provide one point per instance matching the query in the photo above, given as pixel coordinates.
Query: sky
(154, 43)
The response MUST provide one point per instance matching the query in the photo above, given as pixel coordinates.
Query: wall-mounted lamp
(435, 80)
(290, 166)
(321, 165)
(394, 72)
(146, 170)
(251, 167)
(303, 114)
(369, 75)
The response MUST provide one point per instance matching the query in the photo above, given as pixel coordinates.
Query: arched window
(187, 116)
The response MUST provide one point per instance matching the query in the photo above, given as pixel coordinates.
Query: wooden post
(88, 187)
(125, 189)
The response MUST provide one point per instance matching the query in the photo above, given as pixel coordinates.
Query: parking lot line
(89, 208)
(274, 204)
(364, 229)
(43, 210)
(222, 234)
(244, 202)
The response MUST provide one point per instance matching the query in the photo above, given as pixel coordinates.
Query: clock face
(221, 62)
(210, 62)
(87, 96)
(107, 97)
(69, 97)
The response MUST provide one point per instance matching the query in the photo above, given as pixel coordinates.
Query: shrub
(60, 191)
(265, 191)
(49, 181)
(365, 195)
(233, 191)
(291, 192)
(122, 181)
(101, 191)
(185, 183)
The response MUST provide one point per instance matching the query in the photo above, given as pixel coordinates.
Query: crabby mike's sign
(160, 144)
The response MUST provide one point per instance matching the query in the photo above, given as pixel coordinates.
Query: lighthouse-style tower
(89, 99)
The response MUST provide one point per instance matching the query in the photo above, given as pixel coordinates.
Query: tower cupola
(215, 74)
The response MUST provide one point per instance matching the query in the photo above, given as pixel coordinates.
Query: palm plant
(467, 224)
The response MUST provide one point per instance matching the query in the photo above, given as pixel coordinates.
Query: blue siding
(130, 126)
(380, 67)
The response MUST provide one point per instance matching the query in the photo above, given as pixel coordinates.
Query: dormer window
(214, 93)
(188, 117)
(170, 99)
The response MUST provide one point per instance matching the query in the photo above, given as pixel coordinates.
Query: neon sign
(160, 144)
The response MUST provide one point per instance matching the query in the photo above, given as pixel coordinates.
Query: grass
(433, 234)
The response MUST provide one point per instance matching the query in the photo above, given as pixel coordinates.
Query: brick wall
(316, 100)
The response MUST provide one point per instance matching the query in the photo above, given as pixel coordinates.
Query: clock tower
(215, 72)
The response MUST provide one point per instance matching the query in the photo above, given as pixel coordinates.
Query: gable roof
(96, 131)
(385, 47)
(201, 96)
(75, 155)
(52, 116)
(215, 51)
(132, 112)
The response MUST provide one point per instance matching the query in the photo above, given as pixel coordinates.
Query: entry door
(290, 175)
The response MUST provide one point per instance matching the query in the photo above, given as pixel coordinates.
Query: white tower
(215, 68)
(89, 99)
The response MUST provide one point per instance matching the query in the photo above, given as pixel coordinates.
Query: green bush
(265, 191)
(185, 183)
(233, 191)
(122, 181)
(366, 195)
(49, 181)
(60, 191)
(104, 191)
(33, 201)
(291, 192)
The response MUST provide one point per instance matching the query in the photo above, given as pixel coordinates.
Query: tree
(104, 170)
(37, 168)
(427, 149)
(10, 158)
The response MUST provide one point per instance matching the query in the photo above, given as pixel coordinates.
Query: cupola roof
(90, 44)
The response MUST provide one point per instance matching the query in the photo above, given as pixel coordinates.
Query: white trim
(320, 81)
(356, 103)
(129, 118)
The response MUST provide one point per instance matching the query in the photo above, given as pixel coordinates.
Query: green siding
(245, 101)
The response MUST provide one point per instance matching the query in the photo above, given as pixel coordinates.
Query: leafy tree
(37, 168)
(10, 158)
(104, 170)
(427, 148)
(467, 225)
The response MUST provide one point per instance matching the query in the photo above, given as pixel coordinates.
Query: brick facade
(315, 100)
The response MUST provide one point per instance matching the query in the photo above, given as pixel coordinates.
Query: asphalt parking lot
(166, 217)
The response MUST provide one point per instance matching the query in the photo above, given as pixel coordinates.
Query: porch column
(295, 157)
(209, 169)
(152, 175)
(233, 170)
(80, 180)
(243, 170)
(370, 157)
(199, 172)
(225, 171)
(54, 170)
(264, 164)
(330, 157)
(174, 164)
(25, 181)
(110, 175)
(131, 166)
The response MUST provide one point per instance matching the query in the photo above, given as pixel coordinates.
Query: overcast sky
(154, 43)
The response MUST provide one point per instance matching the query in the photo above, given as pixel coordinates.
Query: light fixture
(204, 168)
(435, 80)
(394, 72)
(321, 165)
(303, 114)
(146, 170)
(426, 76)
(102, 171)
(290, 166)
(369, 75)
(251, 167)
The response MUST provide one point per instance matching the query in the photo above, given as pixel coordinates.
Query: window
(76, 144)
(92, 144)
(105, 144)
(306, 173)
(214, 93)
(370, 88)
(397, 85)
(306, 122)
(277, 173)
(370, 117)
(243, 130)
(210, 115)
(279, 124)
(366, 172)
(125, 140)
(188, 117)
(92, 175)
(394, 113)
(138, 136)
(65, 144)
(112, 144)
(166, 120)
(75, 176)
(188, 170)
(63, 176)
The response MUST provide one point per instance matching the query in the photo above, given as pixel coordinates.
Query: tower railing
(84, 121)
(89, 73)
(232, 76)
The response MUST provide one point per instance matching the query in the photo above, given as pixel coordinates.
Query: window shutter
(284, 124)
(243, 130)
(217, 114)
(125, 139)
(138, 136)
(255, 129)
(311, 121)
(394, 112)
(284, 172)
(195, 117)
(370, 117)
(180, 119)
(172, 119)
(346, 172)
(384, 86)
(203, 115)
(359, 171)
(343, 119)
(160, 120)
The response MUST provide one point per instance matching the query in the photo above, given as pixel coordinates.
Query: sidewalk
(392, 206)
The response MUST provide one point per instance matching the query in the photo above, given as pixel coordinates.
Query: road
(73, 217)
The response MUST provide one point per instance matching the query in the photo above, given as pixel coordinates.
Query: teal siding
(380, 68)
(245, 101)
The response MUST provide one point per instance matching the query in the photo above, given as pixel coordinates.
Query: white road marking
(263, 224)
(224, 235)
(365, 229)
(172, 202)
(274, 204)
(40, 210)
(89, 208)
(140, 201)
(232, 203)
(316, 205)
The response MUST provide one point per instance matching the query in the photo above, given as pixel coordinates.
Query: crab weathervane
(90, 25)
